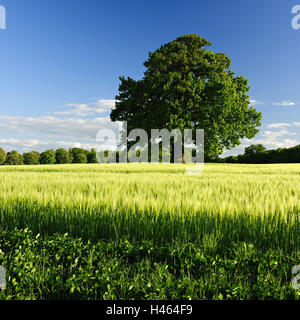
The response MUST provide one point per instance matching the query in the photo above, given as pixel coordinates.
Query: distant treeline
(59, 156)
(257, 153)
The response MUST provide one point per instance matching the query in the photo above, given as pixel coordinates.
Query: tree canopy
(80, 158)
(2, 156)
(48, 157)
(62, 156)
(14, 158)
(254, 149)
(187, 86)
(92, 156)
(79, 155)
(31, 158)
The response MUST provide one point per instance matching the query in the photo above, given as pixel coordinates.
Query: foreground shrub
(62, 267)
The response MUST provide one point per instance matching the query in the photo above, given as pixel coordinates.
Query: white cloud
(83, 110)
(255, 102)
(66, 128)
(30, 145)
(270, 139)
(276, 134)
(275, 139)
(71, 128)
(273, 143)
(278, 125)
(285, 103)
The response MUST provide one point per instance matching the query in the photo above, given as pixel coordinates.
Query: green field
(149, 231)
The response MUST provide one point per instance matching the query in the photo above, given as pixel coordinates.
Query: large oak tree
(185, 85)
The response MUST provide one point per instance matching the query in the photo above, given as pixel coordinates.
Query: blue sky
(60, 62)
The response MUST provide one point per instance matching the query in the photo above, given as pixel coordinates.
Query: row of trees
(60, 156)
(257, 153)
